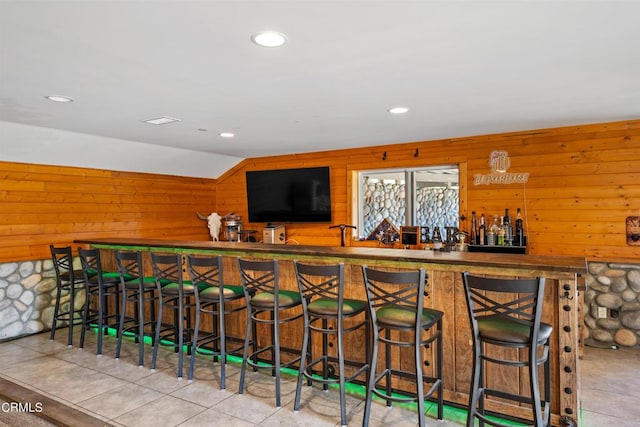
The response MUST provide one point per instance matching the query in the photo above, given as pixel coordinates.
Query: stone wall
(27, 297)
(612, 305)
(435, 206)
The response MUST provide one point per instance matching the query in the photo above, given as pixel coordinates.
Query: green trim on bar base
(451, 413)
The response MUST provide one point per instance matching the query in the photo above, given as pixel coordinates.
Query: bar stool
(507, 313)
(177, 295)
(395, 298)
(66, 280)
(212, 297)
(99, 286)
(325, 310)
(265, 301)
(139, 290)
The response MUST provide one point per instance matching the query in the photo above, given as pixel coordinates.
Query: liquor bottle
(492, 234)
(474, 229)
(519, 233)
(508, 228)
(500, 236)
(482, 232)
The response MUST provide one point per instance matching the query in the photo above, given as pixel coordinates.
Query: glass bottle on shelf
(492, 234)
(519, 232)
(501, 233)
(482, 232)
(473, 233)
(508, 228)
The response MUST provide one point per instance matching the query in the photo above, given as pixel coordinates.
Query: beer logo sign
(499, 162)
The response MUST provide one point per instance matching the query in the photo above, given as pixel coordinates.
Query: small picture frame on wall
(633, 230)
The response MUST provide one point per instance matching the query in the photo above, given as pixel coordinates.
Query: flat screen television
(289, 195)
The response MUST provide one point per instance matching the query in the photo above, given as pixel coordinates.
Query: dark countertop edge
(560, 263)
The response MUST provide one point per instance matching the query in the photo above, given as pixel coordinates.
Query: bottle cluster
(499, 231)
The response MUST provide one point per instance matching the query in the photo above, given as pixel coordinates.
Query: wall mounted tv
(289, 195)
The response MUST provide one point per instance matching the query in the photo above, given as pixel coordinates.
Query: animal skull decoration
(213, 222)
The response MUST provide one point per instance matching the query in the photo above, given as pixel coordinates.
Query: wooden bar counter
(446, 293)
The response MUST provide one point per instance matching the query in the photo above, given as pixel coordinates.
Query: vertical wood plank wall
(42, 205)
(584, 181)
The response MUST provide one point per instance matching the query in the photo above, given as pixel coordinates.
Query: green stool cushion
(147, 282)
(267, 299)
(329, 307)
(108, 277)
(172, 288)
(499, 328)
(404, 317)
(229, 291)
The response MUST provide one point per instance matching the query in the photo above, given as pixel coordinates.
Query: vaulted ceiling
(462, 68)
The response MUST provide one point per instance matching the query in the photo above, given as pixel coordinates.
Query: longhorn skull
(213, 222)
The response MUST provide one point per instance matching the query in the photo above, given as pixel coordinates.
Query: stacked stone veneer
(615, 287)
(27, 297)
(435, 206)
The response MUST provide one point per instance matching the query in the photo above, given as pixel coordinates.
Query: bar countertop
(549, 263)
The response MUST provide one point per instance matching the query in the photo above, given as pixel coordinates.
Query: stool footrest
(263, 364)
(317, 377)
(436, 383)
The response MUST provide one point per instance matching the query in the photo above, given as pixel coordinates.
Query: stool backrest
(320, 281)
(91, 264)
(62, 262)
(205, 271)
(167, 268)
(259, 276)
(514, 299)
(129, 265)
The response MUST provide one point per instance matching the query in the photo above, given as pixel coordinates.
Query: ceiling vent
(162, 120)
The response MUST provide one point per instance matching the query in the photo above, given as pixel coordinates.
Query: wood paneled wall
(42, 205)
(584, 181)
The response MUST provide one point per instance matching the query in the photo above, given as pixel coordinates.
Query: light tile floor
(610, 381)
(123, 394)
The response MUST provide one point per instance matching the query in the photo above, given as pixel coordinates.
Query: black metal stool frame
(322, 290)
(136, 288)
(66, 280)
(395, 308)
(176, 294)
(263, 297)
(101, 286)
(212, 297)
(516, 324)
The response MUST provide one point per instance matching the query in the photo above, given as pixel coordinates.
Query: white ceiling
(463, 68)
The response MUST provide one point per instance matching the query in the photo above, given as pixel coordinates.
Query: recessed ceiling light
(59, 98)
(269, 39)
(398, 110)
(162, 120)
(226, 134)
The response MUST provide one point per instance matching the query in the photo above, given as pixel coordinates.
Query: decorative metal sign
(500, 163)
(633, 230)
